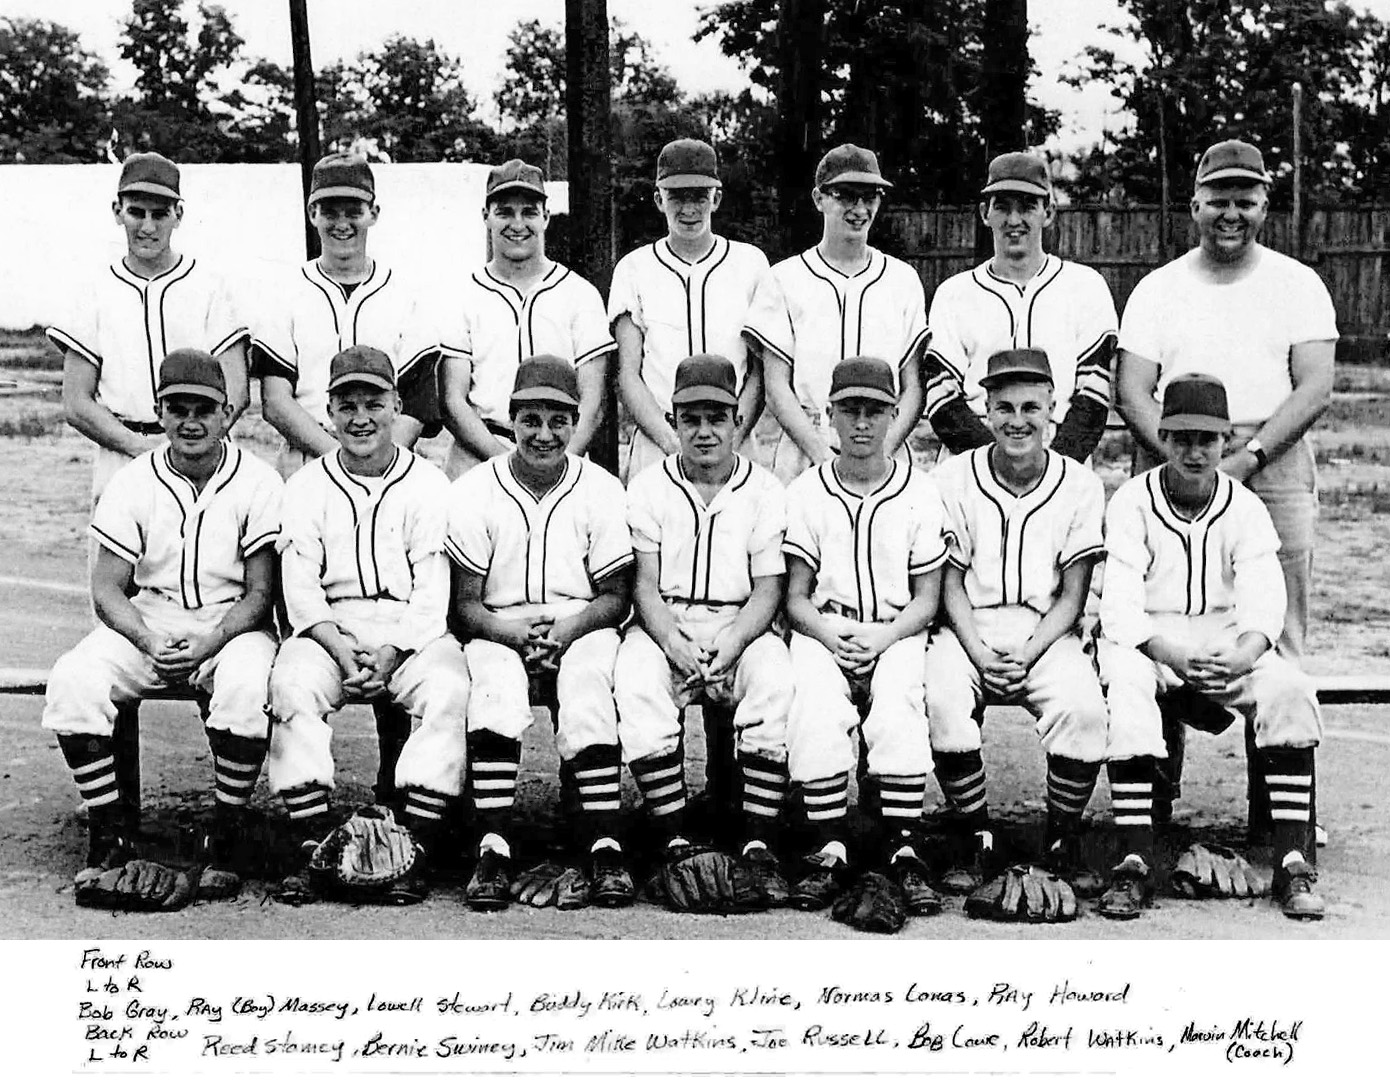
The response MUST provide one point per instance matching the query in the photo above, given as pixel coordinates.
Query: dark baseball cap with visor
(515, 175)
(149, 174)
(864, 377)
(546, 380)
(705, 377)
(1017, 365)
(1233, 161)
(192, 373)
(1023, 173)
(687, 163)
(1195, 403)
(850, 164)
(342, 176)
(361, 365)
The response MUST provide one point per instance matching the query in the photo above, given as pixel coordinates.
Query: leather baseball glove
(138, 885)
(875, 903)
(1211, 872)
(552, 884)
(697, 878)
(1023, 894)
(364, 856)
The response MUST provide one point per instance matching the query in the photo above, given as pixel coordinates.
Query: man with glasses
(841, 298)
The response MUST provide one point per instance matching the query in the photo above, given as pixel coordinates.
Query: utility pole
(306, 113)
(800, 51)
(1004, 103)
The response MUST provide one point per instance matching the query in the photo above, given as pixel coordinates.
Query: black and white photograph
(622, 537)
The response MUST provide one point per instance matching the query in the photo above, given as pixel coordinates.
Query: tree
(52, 92)
(1210, 69)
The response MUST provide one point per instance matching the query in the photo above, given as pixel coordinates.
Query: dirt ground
(43, 611)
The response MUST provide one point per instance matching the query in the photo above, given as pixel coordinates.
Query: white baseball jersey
(126, 325)
(686, 308)
(496, 326)
(1065, 309)
(1239, 331)
(189, 547)
(1157, 563)
(315, 318)
(538, 551)
(865, 549)
(709, 554)
(352, 538)
(811, 316)
(1014, 548)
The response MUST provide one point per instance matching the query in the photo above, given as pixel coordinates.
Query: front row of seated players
(1006, 535)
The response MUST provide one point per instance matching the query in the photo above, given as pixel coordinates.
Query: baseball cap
(1195, 403)
(194, 373)
(863, 377)
(546, 378)
(515, 175)
(149, 174)
(1017, 365)
(1232, 160)
(705, 377)
(342, 176)
(361, 364)
(687, 163)
(1021, 172)
(849, 164)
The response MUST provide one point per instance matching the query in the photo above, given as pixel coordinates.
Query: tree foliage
(1194, 72)
(52, 91)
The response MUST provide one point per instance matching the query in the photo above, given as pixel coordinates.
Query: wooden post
(1297, 223)
(800, 46)
(306, 114)
(1165, 240)
(1004, 101)
(587, 108)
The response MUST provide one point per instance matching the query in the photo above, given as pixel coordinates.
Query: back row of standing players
(786, 329)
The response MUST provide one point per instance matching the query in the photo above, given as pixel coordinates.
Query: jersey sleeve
(610, 542)
(624, 297)
(1313, 318)
(589, 327)
(452, 321)
(955, 522)
(1261, 597)
(769, 320)
(1086, 534)
(1141, 323)
(1123, 594)
(117, 524)
(302, 556)
(801, 539)
(914, 315)
(79, 331)
(225, 326)
(273, 335)
(928, 549)
(1096, 333)
(642, 517)
(468, 542)
(262, 526)
(947, 339)
(419, 334)
(765, 558)
(427, 609)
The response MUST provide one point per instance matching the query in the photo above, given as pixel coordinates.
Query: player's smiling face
(689, 211)
(1019, 414)
(1017, 221)
(149, 222)
(516, 222)
(848, 210)
(706, 431)
(194, 425)
(342, 225)
(862, 425)
(1229, 217)
(543, 434)
(1193, 456)
(363, 416)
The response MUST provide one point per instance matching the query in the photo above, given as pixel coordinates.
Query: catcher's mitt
(552, 885)
(1211, 872)
(702, 879)
(875, 903)
(364, 856)
(139, 885)
(1023, 894)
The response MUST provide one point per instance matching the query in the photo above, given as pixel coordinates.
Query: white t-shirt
(1240, 331)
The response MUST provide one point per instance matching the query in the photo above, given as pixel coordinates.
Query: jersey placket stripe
(1023, 522)
(1158, 501)
(859, 300)
(1003, 299)
(376, 515)
(834, 489)
(529, 306)
(183, 523)
(836, 290)
(356, 525)
(1003, 523)
(676, 479)
(359, 298)
(902, 476)
(682, 276)
(561, 496)
(704, 289)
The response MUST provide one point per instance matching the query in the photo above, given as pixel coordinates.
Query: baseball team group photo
(789, 513)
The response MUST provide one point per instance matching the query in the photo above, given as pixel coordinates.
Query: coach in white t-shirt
(1261, 322)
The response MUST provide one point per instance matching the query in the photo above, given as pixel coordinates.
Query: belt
(142, 427)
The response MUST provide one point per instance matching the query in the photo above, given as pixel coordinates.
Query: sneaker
(767, 876)
(1065, 860)
(1293, 888)
(964, 880)
(822, 878)
(489, 889)
(1131, 890)
(911, 873)
(610, 883)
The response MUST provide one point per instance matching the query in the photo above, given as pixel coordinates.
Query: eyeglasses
(850, 196)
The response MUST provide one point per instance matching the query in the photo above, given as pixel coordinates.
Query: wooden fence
(1346, 246)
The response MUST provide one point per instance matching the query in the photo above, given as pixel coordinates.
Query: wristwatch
(1261, 457)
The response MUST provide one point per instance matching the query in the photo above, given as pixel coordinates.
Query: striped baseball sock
(92, 761)
(765, 784)
(962, 780)
(1132, 800)
(1288, 772)
(900, 799)
(423, 814)
(307, 806)
(236, 763)
(661, 780)
(598, 777)
(1069, 787)
(827, 806)
(493, 762)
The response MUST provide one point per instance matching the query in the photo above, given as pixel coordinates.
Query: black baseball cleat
(1064, 859)
(767, 876)
(1131, 890)
(610, 883)
(297, 888)
(982, 867)
(822, 879)
(218, 878)
(1293, 888)
(911, 873)
(489, 889)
